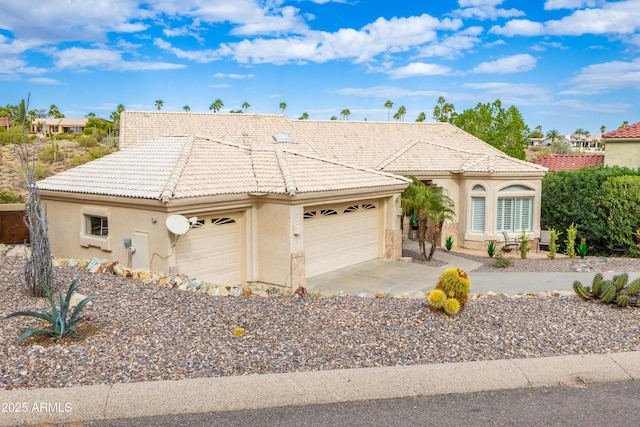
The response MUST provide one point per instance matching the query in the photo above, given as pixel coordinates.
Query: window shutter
(477, 214)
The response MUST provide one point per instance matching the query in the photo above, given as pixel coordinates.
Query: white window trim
(89, 240)
(513, 220)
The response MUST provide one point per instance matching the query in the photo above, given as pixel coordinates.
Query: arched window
(478, 197)
(515, 210)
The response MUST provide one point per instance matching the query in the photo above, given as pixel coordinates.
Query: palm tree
(444, 111)
(624, 124)
(427, 202)
(333, 118)
(159, 103)
(245, 106)
(54, 112)
(304, 116)
(283, 106)
(345, 114)
(216, 105)
(553, 135)
(186, 108)
(401, 112)
(120, 108)
(421, 117)
(579, 132)
(388, 104)
(603, 128)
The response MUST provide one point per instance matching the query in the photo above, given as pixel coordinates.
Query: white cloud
(485, 9)
(233, 76)
(417, 69)
(452, 46)
(616, 18)
(510, 64)
(202, 56)
(382, 36)
(81, 58)
(44, 81)
(521, 27)
(388, 92)
(570, 4)
(606, 77)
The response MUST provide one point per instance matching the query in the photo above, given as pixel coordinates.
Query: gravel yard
(143, 332)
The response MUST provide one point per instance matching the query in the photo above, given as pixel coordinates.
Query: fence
(12, 226)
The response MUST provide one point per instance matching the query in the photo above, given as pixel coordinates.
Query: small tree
(38, 270)
(572, 232)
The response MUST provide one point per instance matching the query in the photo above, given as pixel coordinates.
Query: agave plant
(62, 325)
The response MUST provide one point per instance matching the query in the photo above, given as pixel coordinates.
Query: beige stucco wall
(68, 238)
(622, 153)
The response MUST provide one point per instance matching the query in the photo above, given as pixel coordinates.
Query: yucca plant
(62, 325)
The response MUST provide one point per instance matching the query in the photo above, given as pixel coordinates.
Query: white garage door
(339, 236)
(212, 252)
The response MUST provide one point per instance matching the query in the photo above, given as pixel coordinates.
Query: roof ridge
(178, 169)
(395, 155)
(289, 183)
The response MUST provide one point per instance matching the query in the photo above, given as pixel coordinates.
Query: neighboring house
(48, 126)
(567, 162)
(279, 200)
(623, 146)
(5, 122)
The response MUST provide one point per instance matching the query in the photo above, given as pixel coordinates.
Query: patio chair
(543, 240)
(509, 241)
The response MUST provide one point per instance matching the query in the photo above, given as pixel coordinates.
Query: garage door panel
(212, 252)
(337, 241)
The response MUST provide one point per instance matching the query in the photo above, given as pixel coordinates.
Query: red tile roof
(631, 131)
(567, 162)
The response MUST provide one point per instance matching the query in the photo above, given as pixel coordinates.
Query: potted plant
(507, 248)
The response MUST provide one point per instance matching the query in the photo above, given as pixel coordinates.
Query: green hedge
(602, 201)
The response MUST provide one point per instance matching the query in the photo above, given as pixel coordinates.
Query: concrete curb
(98, 402)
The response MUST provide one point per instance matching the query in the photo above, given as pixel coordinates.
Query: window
(514, 214)
(94, 228)
(97, 226)
(477, 214)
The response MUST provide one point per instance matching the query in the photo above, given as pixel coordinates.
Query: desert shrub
(86, 141)
(96, 153)
(8, 196)
(40, 171)
(51, 153)
(502, 262)
(524, 244)
(553, 243)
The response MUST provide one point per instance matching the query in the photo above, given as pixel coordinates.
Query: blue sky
(565, 64)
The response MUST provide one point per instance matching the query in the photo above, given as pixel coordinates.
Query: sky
(565, 64)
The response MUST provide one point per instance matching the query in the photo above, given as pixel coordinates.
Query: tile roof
(631, 131)
(567, 162)
(62, 121)
(390, 146)
(167, 168)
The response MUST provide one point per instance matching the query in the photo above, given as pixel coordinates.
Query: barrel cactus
(455, 284)
(451, 306)
(634, 287)
(608, 292)
(617, 291)
(437, 298)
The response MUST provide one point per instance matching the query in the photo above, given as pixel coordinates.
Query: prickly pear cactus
(580, 290)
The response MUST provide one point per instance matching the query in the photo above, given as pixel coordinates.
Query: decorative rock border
(185, 283)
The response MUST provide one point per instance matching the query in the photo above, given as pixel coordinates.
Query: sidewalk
(100, 402)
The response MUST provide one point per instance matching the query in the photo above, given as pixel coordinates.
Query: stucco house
(275, 200)
(52, 126)
(622, 147)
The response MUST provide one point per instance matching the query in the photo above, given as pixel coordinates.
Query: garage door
(339, 236)
(212, 251)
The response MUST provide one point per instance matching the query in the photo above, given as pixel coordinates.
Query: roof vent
(281, 138)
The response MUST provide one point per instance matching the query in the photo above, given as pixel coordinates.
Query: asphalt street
(602, 404)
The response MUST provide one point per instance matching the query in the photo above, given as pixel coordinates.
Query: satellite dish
(177, 224)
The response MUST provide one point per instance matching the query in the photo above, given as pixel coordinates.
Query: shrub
(553, 243)
(524, 244)
(449, 242)
(61, 324)
(86, 141)
(502, 262)
(491, 249)
(51, 153)
(96, 153)
(570, 243)
(8, 196)
(582, 248)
